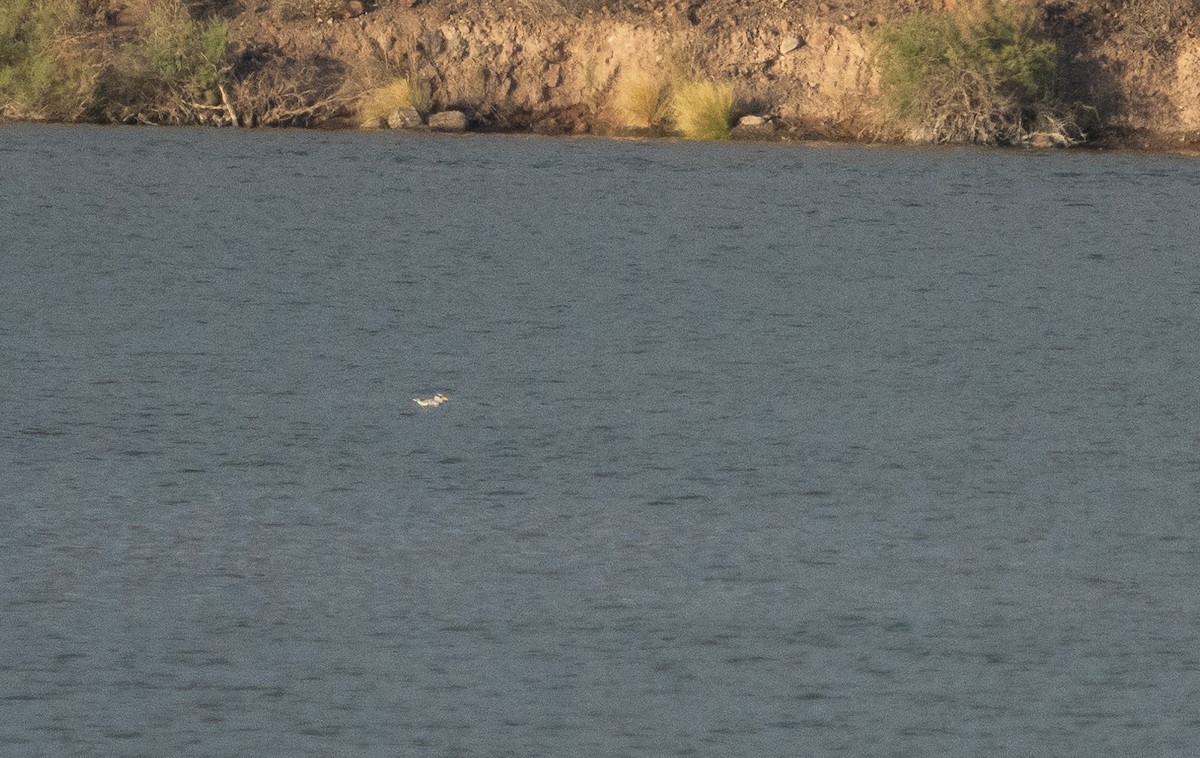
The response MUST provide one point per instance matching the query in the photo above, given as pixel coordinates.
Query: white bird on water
(430, 402)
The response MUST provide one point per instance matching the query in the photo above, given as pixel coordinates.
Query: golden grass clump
(376, 104)
(642, 100)
(703, 110)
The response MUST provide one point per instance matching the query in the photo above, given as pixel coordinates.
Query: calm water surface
(751, 450)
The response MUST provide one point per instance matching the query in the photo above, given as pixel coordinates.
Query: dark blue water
(750, 450)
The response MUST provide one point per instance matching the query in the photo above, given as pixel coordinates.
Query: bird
(430, 402)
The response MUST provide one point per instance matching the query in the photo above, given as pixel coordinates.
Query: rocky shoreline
(800, 69)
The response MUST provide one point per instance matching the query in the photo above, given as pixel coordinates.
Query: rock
(753, 127)
(403, 118)
(1045, 140)
(789, 44)
(352, 9)
(448, 121)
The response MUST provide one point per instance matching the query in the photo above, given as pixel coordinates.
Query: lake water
(751, 450)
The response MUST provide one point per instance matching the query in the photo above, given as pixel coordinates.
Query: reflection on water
(753, 450)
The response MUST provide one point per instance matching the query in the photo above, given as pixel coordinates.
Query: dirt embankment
(552, 65)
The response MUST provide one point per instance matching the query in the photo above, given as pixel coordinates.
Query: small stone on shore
(753, 127)
(448, 121)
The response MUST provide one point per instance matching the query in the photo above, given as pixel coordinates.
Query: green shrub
(703, 110)
(186, 54)
(173, 73)
(45, 70)
(981, 73)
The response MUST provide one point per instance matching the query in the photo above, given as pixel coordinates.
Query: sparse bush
(220, 8)
(1154, 26)
(703, 110)
(271, 88)
(296, 10)
(981, 73)
(45, 70)
(682, 59)
(642, 100)
(548, 9)
(375, 104)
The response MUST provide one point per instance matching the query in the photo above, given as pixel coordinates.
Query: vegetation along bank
(1123, 72)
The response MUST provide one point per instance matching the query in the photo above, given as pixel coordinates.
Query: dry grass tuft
(642, 100)
(703, 110)
(375, 104)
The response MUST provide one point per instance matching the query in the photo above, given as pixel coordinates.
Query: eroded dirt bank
(807, 65)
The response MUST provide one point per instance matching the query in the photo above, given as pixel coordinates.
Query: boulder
(404, 118)
(448, 121)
